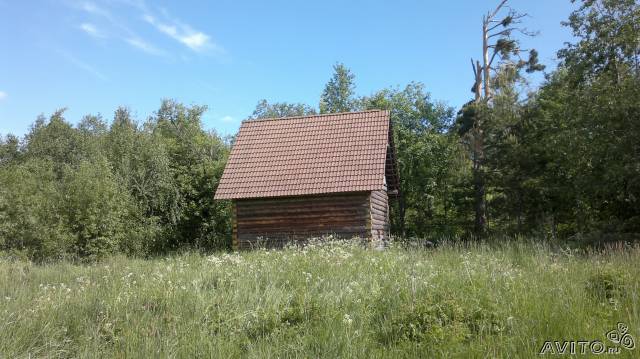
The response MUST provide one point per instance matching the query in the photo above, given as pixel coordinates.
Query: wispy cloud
(93, 8)
(92, 30)
(3, 95)
(227, 119)
(145, 46)
(83, 65)
(123, 32)
(183, 33)
(159, 18)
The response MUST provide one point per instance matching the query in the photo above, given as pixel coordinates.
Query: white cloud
(3, 95)
(227, 119)
(145, 46)
(92, 30)
(185, 34)
(196, 40)
(92, 8)
(118, 28)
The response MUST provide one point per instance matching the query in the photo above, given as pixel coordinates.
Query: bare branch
(495, 52)
(495, 12)
(512, 17)
(473, 67)
(499, 23)
(506, 32)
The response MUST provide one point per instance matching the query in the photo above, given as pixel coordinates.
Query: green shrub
(300, 311)
(437, 319)
(606, 284)
(31, 222)
(96, 210)
(264, 322)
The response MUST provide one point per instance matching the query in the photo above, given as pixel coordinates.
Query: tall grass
(338, 299)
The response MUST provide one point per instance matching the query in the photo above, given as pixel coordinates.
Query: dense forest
(561, 162)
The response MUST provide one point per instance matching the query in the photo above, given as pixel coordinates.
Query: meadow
(334, 299)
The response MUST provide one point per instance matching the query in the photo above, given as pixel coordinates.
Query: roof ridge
(309, 116)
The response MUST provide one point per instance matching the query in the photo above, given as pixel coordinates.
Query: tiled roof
(293, 156)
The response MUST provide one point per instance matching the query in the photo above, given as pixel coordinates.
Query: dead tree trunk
(480, 223)
(482, 74)
(497, 42)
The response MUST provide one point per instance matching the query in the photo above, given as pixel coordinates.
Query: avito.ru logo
(620, 337)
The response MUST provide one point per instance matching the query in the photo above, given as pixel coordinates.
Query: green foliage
(602, 88)
(265, 322)
(96, 210)
(55, 141)
(607, 285)
(562, 162)
(338, 94)
(9, 149)
(265, 109)
(32, 223)
(431, 164)
(100, 189)
(437, 320)
(197, 159)
(607, 39)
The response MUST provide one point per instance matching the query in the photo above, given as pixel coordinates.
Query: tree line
(561, 162)
(121, 187)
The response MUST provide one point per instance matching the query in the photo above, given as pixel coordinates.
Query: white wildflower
(308, 276)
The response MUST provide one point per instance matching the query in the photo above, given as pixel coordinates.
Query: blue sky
(93, 56)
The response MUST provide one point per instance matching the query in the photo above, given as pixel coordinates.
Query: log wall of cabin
(275, 221)
(379, 208)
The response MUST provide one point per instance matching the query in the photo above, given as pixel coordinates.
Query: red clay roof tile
(307, 155)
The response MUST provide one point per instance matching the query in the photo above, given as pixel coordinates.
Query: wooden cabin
(290, 179)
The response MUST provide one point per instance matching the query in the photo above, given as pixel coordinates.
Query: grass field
(332, 300)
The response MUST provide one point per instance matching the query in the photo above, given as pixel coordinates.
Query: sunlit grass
(332, 300)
